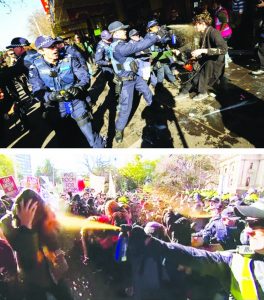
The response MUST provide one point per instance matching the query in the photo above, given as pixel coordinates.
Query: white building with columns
(238, 173)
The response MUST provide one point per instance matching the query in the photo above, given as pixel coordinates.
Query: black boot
(119, 136)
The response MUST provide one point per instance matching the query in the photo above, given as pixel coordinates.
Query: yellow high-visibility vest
(242, 282)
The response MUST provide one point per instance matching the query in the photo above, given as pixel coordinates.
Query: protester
(32, 230)
(260, 71)
(210, 57)
(9, 287)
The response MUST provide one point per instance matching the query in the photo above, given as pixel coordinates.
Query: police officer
(61, 83)
(125, 67)
(19, 73)
(102, 54)
(25, 57)
(103, 60)
(71, 50)
(163, 59)
(240, 272)
(142, 57)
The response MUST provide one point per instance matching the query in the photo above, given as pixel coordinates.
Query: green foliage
(47, 169)
(204, 193)
(6, 166)
(251, 198)
(138, 171)
(226, 196)
(123, 200)
(147, 188)
(186, 172)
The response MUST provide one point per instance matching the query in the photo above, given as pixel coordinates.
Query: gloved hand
(56, 96)
(161, 33)
(125, 227)
(137, 239)
(66, 95)
(75, 91)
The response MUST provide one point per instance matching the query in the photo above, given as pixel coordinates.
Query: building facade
(238, 173)
(23, 165)
(70, 16)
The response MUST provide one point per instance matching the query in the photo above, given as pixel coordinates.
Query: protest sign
(9, 186)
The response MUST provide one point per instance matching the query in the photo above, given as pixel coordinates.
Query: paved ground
(233, 119)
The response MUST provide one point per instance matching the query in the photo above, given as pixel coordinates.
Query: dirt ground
(231, 118)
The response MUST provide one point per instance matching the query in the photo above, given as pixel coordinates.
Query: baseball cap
(18, 42)
(133, 32)
(152, 23)
(106, 35)
(115, 26)
(45, 41)
(255, 210)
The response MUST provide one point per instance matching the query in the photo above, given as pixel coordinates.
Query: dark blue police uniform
(68, 72)
(161, 67)
(122, 56)
(102, 57)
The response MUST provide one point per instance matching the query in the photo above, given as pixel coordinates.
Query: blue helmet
(152, 23)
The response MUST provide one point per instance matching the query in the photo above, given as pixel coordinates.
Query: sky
(72, 160)
(14, 22)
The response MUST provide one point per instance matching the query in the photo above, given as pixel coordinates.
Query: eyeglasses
(254, 223)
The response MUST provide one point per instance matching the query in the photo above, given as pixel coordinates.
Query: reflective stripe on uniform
(242, 281)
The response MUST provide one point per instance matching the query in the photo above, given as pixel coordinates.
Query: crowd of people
(159, 248)
(57, 72)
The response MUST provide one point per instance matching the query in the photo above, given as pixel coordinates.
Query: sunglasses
(255, 223)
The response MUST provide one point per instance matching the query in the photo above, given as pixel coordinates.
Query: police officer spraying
(125, 67)
(61, 84)
(162, 56)
(240, 272)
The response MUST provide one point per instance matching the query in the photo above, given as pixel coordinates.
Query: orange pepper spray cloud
(70, 222)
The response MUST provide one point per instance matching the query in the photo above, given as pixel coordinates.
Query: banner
(33, 183)
(112, 190)
(48, 192)
(97, 183)
(69, 182)
(9, 186)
